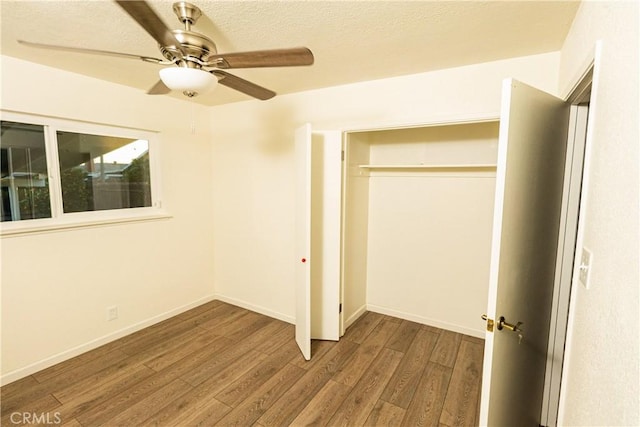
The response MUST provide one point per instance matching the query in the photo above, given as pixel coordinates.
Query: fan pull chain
(193, 119)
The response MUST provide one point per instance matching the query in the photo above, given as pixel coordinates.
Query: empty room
(289, 213)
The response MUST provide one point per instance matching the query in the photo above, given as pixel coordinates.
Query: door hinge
(340, 308)
(342, 155)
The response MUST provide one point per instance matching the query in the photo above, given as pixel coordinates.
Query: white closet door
(326, 213)
(303, 239)
(529, 182)
(318, 226)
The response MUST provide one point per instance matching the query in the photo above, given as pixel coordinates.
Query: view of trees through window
(96, 172)
(100, 172)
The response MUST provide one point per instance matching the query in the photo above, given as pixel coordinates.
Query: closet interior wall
(417, 223)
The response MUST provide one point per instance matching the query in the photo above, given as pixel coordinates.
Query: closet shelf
(432, 167)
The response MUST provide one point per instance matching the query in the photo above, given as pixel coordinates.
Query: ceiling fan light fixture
(190, 81)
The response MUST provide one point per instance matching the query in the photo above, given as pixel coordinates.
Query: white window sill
(30, 227)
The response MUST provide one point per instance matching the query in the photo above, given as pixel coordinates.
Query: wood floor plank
(385, 414)
(139, 390)
(210, 417)
(254, 406)
(219, 379)
(391, 319)
(85, 397)
(404, 336)
(87, 362)
(244, 322)
(218, 362)
(161, 357)
(446, 349)
(426, 406)
(196, 407)
(301, 393)
(351, 372)
(358, 405)
(405, 379)
(101, 381)
(87, 369)
(20, 386)
(195, 400)
(23, 394)
(264, 342)
(19, 399)
(110, 408)
(46, 405)
(473, 339)
(65, 377)
(200, 357)
(198, 311)
(432, 329)
(460, 405)
(228, 324)
(362, 327)
(155, 331)
(242, 387)
(70, 423)
(163, 334)
(135, 414)
(158, 350)
(242, 330)
(220, 312)
(324, 404)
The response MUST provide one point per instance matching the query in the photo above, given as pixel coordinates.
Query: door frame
(445, 120)
(581, 95)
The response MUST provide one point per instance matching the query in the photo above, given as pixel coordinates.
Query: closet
(399, 222)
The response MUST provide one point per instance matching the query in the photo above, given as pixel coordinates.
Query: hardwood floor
(222, 365)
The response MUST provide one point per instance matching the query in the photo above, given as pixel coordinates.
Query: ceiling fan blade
(264, 58)
(151, 22)
(242, 85)
(89, 51)
(159, 89)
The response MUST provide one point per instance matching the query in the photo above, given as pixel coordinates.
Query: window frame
(59, 219)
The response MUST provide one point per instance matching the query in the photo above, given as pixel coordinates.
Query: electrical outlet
(586, 260)
(112, 313)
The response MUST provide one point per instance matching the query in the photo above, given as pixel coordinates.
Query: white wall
(601, 385)
(254, 171)
(56, 286)
(430, 231)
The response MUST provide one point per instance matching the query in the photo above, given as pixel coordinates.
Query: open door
(326, 226)
(303, 239)
(528, 205)
(318, 228)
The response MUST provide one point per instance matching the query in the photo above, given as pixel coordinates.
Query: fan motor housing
(196, 45)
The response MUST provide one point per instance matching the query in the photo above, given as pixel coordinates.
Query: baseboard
(427, 321)
(256, 308)
(355, 316)
(93, 344)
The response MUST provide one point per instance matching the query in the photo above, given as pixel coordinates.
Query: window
(62, 173)
(25, 180)
(102, 172)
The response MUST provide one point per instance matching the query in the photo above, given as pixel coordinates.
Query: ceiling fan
(193, 62)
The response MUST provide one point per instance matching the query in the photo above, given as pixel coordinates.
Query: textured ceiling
(351, 40)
